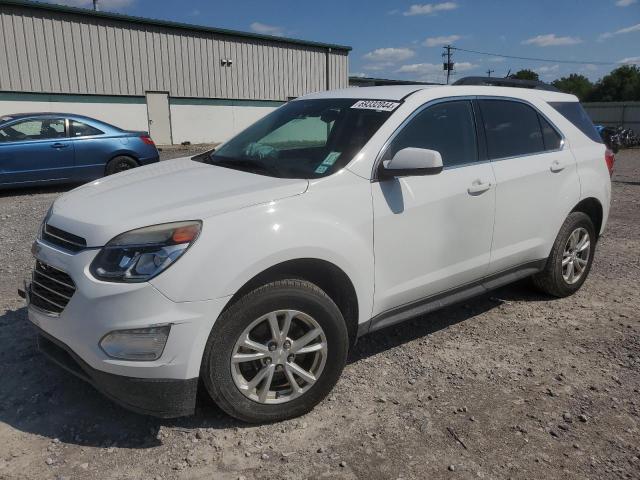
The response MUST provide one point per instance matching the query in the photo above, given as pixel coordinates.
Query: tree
(576, 84)
(622, 84)
(525, 75)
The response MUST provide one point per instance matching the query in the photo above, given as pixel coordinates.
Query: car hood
(169, 191)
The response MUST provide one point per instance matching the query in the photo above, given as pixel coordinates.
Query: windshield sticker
(380, 105)
(322, 168)
(330, 159)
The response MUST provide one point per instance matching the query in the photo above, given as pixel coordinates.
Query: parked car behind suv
(256, 268)
(50, 148)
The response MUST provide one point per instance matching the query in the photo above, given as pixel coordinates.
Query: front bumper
(159, 397)
(164, 387)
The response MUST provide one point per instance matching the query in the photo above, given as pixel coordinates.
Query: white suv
(255, 267)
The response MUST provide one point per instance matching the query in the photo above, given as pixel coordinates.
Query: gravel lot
(509, 385)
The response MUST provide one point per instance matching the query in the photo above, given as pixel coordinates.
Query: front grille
(63, 239)
(51, 289)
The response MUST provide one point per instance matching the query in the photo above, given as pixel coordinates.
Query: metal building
(181, 82)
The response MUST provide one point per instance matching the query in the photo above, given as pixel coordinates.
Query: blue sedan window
(79, 129)
(40, 129)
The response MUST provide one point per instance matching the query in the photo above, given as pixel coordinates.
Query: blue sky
(403, 39)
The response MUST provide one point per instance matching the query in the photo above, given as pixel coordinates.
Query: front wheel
(571, 257)
(276, 353)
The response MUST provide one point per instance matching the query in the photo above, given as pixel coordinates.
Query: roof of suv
(400, 92)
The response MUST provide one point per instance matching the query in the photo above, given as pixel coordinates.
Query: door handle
(478, 187)
(59, 145)
(556, 166)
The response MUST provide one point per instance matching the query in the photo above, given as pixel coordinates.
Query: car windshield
(304, 138)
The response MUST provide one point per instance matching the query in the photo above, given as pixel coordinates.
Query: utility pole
(95, 5)
(489, 72)
(448, 64)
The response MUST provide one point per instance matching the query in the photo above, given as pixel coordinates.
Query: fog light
(137, 344)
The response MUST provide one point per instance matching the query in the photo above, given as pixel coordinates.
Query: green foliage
(525, 75)
(576, 84)
(622, 84)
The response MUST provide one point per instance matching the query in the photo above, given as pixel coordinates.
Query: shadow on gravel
(25, 191)
(396, 335)
(38, 397)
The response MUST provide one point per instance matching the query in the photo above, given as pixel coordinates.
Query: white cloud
(625, 3)
(102, 4)
(389, 55)
(630, 60)
(551, 40)
(265, 29)
(357, 74)
(429, 8)
(442, 40)
(632, 28)
(377, 67)
(497, 59)
(430, 68)
(548, 69)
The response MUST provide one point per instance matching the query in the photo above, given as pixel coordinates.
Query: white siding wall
(130, 116)
(193, 123)
(212, 123)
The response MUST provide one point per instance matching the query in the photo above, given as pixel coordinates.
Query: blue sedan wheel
(120, 164)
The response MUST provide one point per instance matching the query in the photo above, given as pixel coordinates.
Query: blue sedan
(47, 148)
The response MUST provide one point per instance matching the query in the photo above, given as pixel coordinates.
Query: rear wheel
(120, 164)
(571, 257)
(276, 353)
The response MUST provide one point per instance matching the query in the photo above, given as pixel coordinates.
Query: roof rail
(506, 82)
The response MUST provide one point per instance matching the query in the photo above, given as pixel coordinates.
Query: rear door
(35, 150)
(536, 181)
(433, 233)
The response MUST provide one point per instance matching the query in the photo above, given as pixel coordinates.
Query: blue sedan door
(35, 150)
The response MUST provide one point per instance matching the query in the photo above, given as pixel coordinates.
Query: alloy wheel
(575, 256)
(279, 357)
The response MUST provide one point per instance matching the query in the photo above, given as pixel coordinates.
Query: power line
(534, 59)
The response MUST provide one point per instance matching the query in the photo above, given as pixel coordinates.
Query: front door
(433, 233)
(159, 117)
(35, 150)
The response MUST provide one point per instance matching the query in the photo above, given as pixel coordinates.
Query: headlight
(44, 221)
(137, 344)
(139, 255)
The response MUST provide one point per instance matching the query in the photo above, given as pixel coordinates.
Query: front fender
(332, 221)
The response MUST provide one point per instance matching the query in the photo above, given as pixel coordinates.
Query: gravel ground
(509, 385)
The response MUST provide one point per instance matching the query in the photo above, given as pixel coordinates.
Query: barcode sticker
(381, 105)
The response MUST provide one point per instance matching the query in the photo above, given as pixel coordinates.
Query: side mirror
(410, 162)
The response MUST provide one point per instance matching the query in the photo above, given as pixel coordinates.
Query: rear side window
(574, 112)
(512, 128)
(446, 127)
(550, 136)
(79, 129)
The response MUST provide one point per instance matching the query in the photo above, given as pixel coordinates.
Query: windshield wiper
(252, 166)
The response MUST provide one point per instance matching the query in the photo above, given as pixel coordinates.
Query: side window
(447, 127)
(512, 128)
(41, 129)
(79, 129)
(550, 136)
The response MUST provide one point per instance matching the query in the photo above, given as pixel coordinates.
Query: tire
(120, 164)
(229, 382)
(553, 279)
